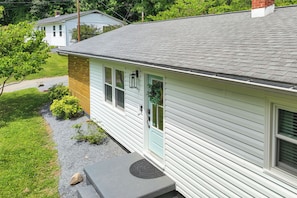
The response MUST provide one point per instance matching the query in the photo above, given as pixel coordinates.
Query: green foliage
(94, 134)
(57, 92)
(28, 158)
(66, 108)
(110, 28)
(184, 8)
(130, 10)
(22, 51)
(86, 31)
(55, 65)
(1, 12)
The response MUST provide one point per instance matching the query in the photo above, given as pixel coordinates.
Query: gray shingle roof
(66, 17)
(233, 45)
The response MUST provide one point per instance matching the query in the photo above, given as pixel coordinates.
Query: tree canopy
(88, 31)
(22, 51)
(129, 10)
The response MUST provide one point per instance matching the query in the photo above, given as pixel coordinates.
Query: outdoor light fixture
(133, 79)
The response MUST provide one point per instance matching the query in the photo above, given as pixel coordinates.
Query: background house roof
(66, 17)
(232, 45)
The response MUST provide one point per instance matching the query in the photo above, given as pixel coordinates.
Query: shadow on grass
(21, 105)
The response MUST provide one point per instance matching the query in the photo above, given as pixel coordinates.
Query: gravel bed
(74, 156)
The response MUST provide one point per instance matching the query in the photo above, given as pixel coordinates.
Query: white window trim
(270, 149)
(54, 31)
(60, 30)
(118, 88)
(114, 87)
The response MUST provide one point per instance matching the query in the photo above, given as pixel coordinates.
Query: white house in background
(221, 120)
(58, 29)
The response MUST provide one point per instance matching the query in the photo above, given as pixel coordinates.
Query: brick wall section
(261, 3)
(79, 80)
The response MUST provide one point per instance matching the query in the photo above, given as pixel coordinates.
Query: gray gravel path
(73, 156)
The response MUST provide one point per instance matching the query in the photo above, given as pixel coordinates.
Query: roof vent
(261, 8)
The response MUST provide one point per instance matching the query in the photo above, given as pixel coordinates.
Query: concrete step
(113, 178)
(87, 192)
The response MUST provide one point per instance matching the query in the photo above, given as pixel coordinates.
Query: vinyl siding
(214, 142)
(214, 132)
(125, 126)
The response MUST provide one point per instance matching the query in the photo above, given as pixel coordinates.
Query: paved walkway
(42, 84)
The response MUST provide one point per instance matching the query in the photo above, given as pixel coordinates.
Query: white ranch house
(58, 29)
(225, 124)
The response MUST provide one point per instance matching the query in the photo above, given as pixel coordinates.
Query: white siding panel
(125, 126)
(242, 179)
(214, 142)
(233, 124)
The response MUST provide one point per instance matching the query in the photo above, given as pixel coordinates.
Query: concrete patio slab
(112, 178)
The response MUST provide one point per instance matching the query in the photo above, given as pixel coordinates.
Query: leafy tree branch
(22, 51)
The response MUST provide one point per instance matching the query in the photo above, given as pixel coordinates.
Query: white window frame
(271, 150)
(54, 30)
(114, 87)
(119, 89)
(60, 30)
(108, 84)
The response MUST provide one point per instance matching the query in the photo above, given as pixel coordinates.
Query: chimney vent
(261, 8)
(57, 13)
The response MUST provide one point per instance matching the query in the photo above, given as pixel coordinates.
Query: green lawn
(56, 65)
(28, 159)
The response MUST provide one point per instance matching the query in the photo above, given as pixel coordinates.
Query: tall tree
(22, 51)
(1, 12)
(15, 10)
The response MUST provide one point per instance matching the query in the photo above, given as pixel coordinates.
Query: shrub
(94, 134)
(57, 92)
(66, 108)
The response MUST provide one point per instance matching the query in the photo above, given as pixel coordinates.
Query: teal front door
(155, 115)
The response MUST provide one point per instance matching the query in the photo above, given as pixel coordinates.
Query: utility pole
(78, 20)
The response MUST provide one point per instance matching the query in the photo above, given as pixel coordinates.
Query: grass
(56, 65)
(28, 159)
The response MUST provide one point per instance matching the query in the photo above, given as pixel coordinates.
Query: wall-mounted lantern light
(133, 79)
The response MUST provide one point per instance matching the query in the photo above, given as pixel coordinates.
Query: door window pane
(160, 117)
(154, 115)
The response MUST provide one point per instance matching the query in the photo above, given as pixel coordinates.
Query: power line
(26, 2)
(114, 12)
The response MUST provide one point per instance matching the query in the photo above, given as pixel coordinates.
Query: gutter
(292, 88)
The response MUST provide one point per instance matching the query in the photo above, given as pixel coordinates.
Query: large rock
(76, 178)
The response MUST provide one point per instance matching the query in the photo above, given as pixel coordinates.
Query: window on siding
(108, 84)
(114, 87)
(54, 31)
(286, 141)
(119, 89)
(60, 30)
